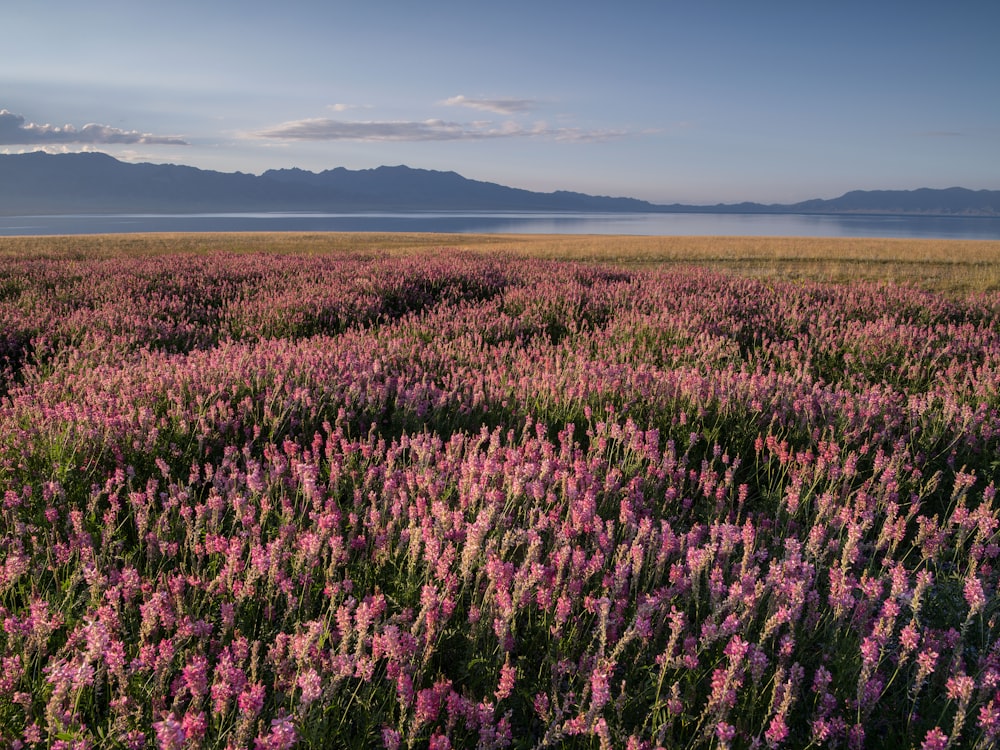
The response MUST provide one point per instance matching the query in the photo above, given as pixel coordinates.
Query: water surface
(684, 224)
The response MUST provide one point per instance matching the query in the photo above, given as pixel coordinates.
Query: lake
(688, 224)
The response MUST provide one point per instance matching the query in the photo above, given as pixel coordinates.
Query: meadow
(435, 492)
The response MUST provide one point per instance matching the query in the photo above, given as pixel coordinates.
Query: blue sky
(699, 101)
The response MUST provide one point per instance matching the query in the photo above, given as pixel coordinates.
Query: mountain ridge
(92, 182)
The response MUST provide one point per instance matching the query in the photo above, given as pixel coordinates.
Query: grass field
(944, 265)
(404, 491)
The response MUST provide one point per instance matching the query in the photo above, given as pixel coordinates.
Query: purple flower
(391, 739)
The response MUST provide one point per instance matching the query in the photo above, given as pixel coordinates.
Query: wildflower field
(263, 500)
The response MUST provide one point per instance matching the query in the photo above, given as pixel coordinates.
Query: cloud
(57, 148)
(498, 106)
(339, 107)
(14, 130)
(321, 129)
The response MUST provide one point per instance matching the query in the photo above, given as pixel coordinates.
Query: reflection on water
(762, 225)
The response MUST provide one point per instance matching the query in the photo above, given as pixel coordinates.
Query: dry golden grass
(955, 266)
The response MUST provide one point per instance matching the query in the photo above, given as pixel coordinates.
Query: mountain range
(39, 183)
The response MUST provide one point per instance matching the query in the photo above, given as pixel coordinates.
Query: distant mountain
(40, 183)
(953, 201)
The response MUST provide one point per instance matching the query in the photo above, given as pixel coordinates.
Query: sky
(693, 101)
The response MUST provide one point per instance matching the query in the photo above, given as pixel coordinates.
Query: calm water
(774, 225)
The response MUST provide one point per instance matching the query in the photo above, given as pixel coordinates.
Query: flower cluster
(263, 501)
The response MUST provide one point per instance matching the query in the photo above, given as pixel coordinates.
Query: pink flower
(600, 693)
(10, 672)
(251, 700)
(170, 733)
(281, 737)
(311, 685)
(229, 682)
(507, 676)
(960, 687)
(926, 662)
(196, 676)
(563, 609)
(909, 638)
(404, 689)
(33, 733)
(974, 595)
(869, 652)
(428, 705)
(935, 740)
(391, 739)
(822, 730)
(736, 649)
(725, 732)
(195, 724)
(989, 719)
(777, 731)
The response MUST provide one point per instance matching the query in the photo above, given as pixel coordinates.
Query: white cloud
(497, 106)
(321, 129)
(59, 148)
(15, 131)
(340, 107)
